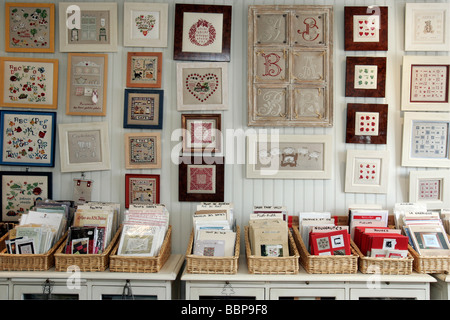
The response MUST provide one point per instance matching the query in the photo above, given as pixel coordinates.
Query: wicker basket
(431, 264)
(86, 262)
(214, 265)
(119, 263)
(325, 264)
(370, 265)
(29, 262)
(272, 265)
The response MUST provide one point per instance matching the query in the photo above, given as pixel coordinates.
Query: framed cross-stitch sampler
(87, 27)
(366, 28)
(29, 82)
(27, 138)
(201, 132)
(202, 32)
(29, 27)
(365, 77)
(366, 123)
(143, 150)
(426, 83)
(20, 189)
(143, 108)
(290, 71)
(426, 139)
(145, 24)
(144, 69)
(430, 187)
(201, 179)
(142, 189)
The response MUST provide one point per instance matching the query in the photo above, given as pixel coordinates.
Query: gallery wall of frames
(360, 103)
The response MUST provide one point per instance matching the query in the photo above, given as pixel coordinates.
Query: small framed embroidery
(141, 189)
(143, 109)
(144, 69)
(201, 132)
(365, 77)
(366, 123)
(143, 150)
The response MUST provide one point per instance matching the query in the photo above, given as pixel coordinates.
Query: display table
(305, 286)
(52, 284)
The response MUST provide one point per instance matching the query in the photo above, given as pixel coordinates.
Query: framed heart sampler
(202, 86)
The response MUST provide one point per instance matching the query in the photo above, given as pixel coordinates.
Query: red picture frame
(134, 195)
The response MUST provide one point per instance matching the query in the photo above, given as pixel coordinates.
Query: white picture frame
(367, 171)
(418, 152)
(314, 150)
(136, 16)
(104, 20)
(430, 187)
(416, 94)
(84, 147)
(213, 75)
(426, 27)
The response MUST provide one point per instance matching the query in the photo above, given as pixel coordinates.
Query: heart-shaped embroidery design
(202, 86)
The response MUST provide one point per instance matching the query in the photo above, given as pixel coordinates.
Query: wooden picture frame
(87, 27)
(290, 66)
(30, 27)
(20, 189)
(84, 147)
(431, 187)
(142, 189)
(366, 28)
(426, 139)
(202, 32)
(144, 69)
(201, 132)
(367, 171)
(143, 108)
(426, 27)
(202, 86)
(289, 156)
(87, 77)
(425, 83)
(201, 179)
(366, 123)
(29, 82)
(27, 138)
(365, 77)
(143, 150)
(145, 24)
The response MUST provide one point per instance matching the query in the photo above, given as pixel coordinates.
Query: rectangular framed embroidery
(201, 132)
(19, 191)
(141, 189)
(426, 139)
(425, 83)
(143, 150)
(202, 32)
(365, 77)
(29, 82)
(366, 123)
(30, 27)
(274, 156)
(143, 109)
(27, 138)
(201, 179)
(144, 69)
(430, 187)
(87, 27)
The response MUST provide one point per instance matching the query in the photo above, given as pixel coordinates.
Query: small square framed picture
(365, 77)
(143, 109)
(145, 24)
(142, 189)
(426, 139)
(367, 171)
(431, 187)
(366, 123)
(201, 132)
(366, 28)
(425, 83)
(143, 150)
(144, 69)
(201, 179)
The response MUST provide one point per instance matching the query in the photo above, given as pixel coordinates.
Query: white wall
(297, 195)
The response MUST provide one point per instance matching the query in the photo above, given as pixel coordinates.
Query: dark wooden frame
(184, 162)
(382, 110)
(187, 133)
(382, 44)
(178, 54)
(350, 90)
(143, 176)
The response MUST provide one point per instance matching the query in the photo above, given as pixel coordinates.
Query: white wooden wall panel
(297, 195)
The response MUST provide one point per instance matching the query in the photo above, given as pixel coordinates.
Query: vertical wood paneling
(296, 195)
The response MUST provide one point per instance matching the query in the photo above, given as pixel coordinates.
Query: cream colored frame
(443, 175)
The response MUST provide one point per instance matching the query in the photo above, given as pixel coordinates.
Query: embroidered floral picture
(365, 77)
(202, 32)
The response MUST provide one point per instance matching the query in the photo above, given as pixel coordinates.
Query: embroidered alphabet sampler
(289, 69)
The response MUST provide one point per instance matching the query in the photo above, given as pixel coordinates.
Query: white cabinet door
(384, 293)
(221, 293)
(307, 294)
(119, 292)
(58, 291)
(4, 291)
